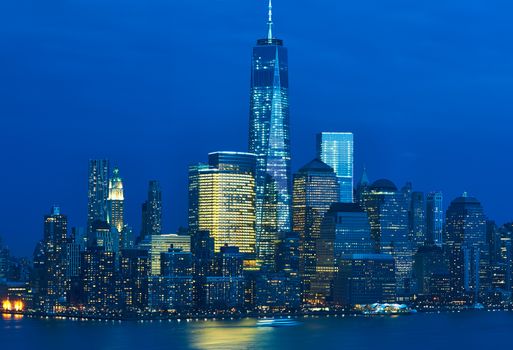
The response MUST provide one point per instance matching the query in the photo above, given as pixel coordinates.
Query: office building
(269, 135)
(388, 216)
(466, 246)
(336, 149)
(222, 200)
(315, 190)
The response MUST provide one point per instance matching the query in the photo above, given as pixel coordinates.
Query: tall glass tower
(269, 126)
(336, 150)
(98, 191)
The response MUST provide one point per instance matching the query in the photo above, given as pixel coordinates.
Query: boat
(385, 309)
(276, 322)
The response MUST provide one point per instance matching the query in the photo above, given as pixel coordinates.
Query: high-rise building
(315, 190)
(336, 150)
(98, 191)
(53, 284)
(222, 200)
(434, 217)
(466, 246)
(202, 248)
(116, 208)
(388, 216)
(417, 219)
(269, 135)
(152, 211)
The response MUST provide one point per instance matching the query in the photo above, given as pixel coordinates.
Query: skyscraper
(53, 283)
(222, 200)
(315, 189)
(434, 217)
(388, 216)
(152, 211)
(336, 150)
(466, 245)
(417, 219)
(269, 136)
(115, 205)
(98, 191)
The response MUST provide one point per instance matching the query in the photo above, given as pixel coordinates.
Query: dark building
(365, 279)
(431, 273)
(4, 261)
(417, 219)
(269, 135)
(135, 269)
(152, 211)
(173, 289)
(202, 248)
(278, 291)
(226, 289)
(347, 226)
(388, 216)
(466, 247)
(98, 191)
(51, 262)
(287, 253)
(434, 217)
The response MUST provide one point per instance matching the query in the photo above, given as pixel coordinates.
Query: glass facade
(336, 149)
(269, 135)
(435, 217)
(98, 191)
(222, 199)
(388, 216)
(467, 245)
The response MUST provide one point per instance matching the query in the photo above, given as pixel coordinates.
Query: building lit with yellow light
(222, 200)
(157, 244)
(115, 204)
(315, 189)
(14, 305)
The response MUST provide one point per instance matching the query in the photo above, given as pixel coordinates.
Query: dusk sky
(154, 86)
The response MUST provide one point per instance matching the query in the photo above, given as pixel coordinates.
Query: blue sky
(154, 86)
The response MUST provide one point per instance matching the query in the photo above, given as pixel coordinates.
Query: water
(469, 330)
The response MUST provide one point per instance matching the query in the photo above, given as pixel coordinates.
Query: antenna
(270, 22)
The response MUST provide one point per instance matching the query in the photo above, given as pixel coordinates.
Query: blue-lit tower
(269, 126)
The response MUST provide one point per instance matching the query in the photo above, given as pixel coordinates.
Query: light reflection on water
(228, 335)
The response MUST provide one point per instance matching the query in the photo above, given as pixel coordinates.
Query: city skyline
(174, 206)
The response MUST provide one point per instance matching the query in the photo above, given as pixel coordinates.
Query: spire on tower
(270, 22)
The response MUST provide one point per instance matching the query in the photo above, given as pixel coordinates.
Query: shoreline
(226, 317)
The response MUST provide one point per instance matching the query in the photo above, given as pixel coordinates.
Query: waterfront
(472, 329)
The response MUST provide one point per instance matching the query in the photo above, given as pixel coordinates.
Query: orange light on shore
(8, 305)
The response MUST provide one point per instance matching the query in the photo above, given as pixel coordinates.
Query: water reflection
(227, 335)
